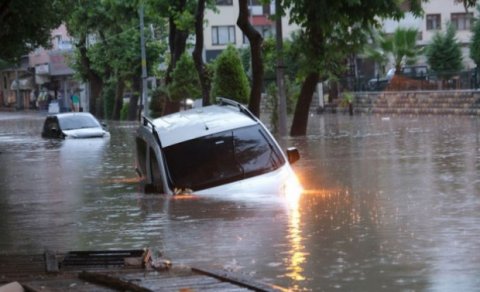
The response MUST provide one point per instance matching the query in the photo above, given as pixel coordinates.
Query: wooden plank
(112, 282)
(51, 263)
(239, 280)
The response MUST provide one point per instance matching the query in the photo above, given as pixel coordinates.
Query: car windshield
(78, 122)
(221, 158)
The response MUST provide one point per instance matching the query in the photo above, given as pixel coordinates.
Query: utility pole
(17, 89)
(282, 101)
(143, 101)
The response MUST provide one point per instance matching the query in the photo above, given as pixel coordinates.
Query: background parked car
(73, 125)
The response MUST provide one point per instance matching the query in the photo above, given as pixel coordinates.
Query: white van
(215, 149)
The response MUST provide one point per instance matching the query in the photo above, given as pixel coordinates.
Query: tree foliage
(401, 46)
(332, 30)
(185, 82)
(475, 42)
(26, 25)
(109, 48)
(444, 54)
(230, 80)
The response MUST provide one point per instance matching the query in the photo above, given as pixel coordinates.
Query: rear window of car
(222, 158)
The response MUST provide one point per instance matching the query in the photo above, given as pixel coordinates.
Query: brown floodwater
(391, 203)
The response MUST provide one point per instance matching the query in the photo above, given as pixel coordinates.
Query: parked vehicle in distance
(216, 149)
(419, 72)
(73, 125)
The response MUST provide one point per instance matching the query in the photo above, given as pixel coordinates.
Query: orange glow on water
(126, 180)
(297, 254)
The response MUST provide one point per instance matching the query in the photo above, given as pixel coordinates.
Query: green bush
(108, 97)
(185, 81)
(157, 100)
(230, 80)
(124, 112)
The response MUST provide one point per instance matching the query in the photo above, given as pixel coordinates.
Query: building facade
(437, 15)
(43, 76)
(221, 29)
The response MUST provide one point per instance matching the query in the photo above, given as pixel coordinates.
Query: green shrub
(185, 82)
(157, 100)
(124, 112)
(230, 80)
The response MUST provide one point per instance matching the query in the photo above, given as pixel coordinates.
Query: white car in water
(216, 149)
(73, 125)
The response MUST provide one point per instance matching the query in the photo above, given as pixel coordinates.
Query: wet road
(391, 204)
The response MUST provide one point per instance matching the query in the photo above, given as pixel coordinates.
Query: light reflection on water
(389, 204)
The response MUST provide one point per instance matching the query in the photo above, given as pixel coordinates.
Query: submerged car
(216, 149)
(73, 125)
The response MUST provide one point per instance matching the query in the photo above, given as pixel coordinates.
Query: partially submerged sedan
(73, 125)
(216, 149)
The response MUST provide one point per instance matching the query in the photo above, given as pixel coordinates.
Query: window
(434, 22)
(222, 158)
(462, 21)
(222, 35)
(224, 2)
(267, 31)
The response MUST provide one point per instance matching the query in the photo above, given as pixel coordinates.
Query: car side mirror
(293, 155)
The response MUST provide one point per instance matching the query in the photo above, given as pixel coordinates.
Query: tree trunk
(96, 83)
(133, 103)
(256, 40)
(177, 40)
(300, 118)
(117, 107)
(197, 53)
(96, 87)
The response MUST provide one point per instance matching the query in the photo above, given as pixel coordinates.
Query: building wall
(227, 17)
(444, 9)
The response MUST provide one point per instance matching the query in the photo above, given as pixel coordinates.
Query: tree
(197, 53)
(444, 54)
(401, 46)
(255, 39)
(113, 60)
(26, 25)
(185, 82)
(475, 43)
(230, 80)
(332, 30)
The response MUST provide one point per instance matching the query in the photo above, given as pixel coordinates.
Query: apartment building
(221, 27)
(437, 14)
(44, 73)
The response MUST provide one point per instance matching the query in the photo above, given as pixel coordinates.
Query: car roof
(198, 122)
(66, 115)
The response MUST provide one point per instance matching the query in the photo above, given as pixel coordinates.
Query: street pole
(282, 102)
(143, 102)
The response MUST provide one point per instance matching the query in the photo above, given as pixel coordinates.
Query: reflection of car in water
(214, 149)
(73, 125)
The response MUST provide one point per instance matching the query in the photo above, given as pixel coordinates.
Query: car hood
(86, 133)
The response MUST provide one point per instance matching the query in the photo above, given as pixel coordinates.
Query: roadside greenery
(230, 80)
(475, 43)
(107, 54)
(401, 47)
(26, 26)
(444, 54)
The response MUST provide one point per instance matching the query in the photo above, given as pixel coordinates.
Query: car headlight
(292, 190)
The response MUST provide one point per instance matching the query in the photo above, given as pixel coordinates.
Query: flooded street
(390, 204)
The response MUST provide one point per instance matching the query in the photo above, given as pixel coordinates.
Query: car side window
(254, 151)
(51, 128)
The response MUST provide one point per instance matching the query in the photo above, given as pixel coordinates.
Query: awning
(41, 79)
(23, 84)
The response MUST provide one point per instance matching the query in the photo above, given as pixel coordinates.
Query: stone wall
(462, 102)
